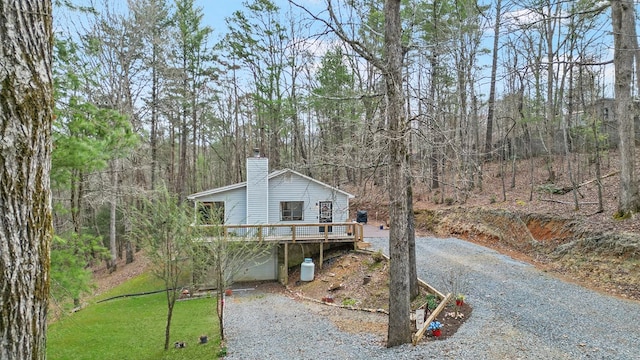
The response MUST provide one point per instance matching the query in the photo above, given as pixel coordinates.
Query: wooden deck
(288, 233)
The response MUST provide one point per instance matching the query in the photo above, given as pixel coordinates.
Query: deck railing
(287, 233)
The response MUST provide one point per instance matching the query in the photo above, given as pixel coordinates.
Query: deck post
(321, 255)
(286, 264)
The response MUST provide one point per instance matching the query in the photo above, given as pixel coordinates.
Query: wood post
(321, 255)
(430, 288)
(286, 264)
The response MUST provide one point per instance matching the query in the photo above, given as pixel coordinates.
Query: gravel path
(519, 312)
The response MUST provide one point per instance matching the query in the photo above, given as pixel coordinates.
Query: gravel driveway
(519, 312)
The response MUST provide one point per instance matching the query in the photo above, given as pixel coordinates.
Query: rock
(334, 287)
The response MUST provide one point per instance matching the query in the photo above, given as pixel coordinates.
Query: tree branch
(336, 28)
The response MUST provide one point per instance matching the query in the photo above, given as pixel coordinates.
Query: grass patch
(372, 265)
(349, 302)
(142, 283)
(133, 327)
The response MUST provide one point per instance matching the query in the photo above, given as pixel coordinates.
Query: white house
(292, 207)
(280, 197)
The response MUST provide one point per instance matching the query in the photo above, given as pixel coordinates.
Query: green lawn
(133, 327)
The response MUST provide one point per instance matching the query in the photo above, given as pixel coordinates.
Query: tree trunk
(74, 195)
(167, 330)
(399, 331)
(154, 113)
(492, 84)
(623, 20)
(414, 288)
(436, 155)
(550, 105)
(596, 134)
(130, 252)
(194, 139)
(566, 140)
(26, 111)
(182, 165)
(112, 217)
(220, 297)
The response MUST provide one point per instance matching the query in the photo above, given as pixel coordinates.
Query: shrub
(377, 256)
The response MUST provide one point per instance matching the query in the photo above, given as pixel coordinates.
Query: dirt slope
(527, 217)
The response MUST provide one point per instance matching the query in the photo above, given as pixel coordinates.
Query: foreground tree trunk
(399, 331)
(623, 20)
(401, 236)
(26, 111)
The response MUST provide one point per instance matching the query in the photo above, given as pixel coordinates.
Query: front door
(325, 214)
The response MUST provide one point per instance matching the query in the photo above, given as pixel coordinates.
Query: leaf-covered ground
(527, 217)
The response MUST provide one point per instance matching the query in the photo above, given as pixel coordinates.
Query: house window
(211, 212)
(291, 210)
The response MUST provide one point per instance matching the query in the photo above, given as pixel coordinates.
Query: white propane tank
(307, 270)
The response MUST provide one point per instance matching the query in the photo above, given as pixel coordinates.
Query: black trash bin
(361, 216)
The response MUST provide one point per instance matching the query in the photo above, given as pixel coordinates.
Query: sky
(215, 11)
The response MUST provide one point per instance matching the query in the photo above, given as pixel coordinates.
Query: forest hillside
(539, 226)
(534, 221)
(154, 95)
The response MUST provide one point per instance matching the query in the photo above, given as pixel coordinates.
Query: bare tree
(399, 172)
(152, 18)
(492, 85)
(163, 228)
(26, 111)
(625, 48)
(118, 61)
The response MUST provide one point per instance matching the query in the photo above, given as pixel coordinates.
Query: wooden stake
(431, 289)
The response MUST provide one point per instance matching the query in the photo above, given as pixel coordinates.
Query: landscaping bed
(359, 281)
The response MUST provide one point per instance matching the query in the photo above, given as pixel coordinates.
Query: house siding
(235, 202)
(291, 187)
